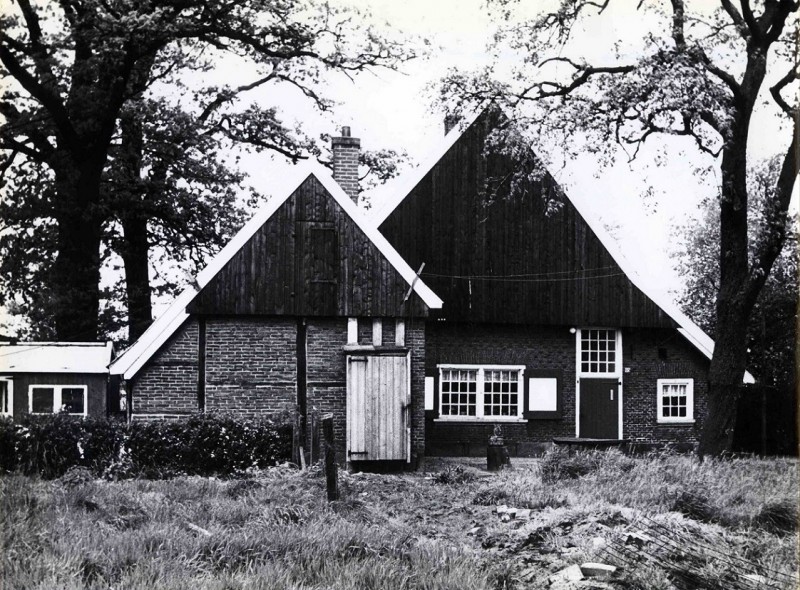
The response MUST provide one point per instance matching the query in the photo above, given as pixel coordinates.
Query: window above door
(599, 352)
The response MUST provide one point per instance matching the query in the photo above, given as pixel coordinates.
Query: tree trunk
(735, 298)
(134, 250)
(725, 379)
(76, 269)
(135, 256)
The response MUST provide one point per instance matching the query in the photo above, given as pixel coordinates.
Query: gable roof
(56, 357)
(133, 358)
(686, 327)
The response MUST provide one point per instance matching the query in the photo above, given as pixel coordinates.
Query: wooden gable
(309, 258)
(508, 260)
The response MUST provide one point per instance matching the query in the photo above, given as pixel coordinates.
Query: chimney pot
(345, 131)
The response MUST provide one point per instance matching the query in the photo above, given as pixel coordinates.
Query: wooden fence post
(331, 474)
(296, 442)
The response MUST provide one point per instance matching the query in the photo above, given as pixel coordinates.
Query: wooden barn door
(599, 415)
(378, 404)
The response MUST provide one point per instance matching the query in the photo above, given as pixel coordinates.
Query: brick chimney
(345, 162)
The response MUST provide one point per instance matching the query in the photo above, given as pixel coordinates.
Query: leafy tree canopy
(95, 158)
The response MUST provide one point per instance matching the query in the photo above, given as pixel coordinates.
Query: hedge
(202, 444)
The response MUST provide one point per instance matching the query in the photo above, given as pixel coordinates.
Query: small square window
(675, 400)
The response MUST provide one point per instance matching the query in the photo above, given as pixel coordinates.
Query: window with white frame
(676, 400)
(598, 352)
(6, 397)
(480, 392)
(52, 399)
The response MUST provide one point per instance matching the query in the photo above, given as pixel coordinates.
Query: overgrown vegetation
(274, 528)
(204, 444)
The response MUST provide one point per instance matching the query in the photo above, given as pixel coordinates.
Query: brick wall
(553, 348)
(416, 340)
(326, 378)
(676, 359)
(251, 370)
(251, 366)
(547, 347)
(167, 384)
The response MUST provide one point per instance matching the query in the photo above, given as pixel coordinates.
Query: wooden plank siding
(309, 259)
(476, 251)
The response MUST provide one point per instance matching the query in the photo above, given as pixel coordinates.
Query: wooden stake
(331, 473)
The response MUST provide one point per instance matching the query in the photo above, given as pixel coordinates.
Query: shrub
(204, 444)
(455, 474)
(778, 516)
(695, 506)
(558, 463)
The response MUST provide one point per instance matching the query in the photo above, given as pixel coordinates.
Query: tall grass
(275, 530)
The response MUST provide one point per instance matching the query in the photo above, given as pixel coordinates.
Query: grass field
(666, 521)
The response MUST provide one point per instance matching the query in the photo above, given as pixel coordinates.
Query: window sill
(490, 420)
(674, 422)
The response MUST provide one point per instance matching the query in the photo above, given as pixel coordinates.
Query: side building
(53, 377)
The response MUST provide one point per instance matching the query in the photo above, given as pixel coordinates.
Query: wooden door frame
(609, 376)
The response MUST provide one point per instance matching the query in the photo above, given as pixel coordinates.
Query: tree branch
(18, 146)
(562, 89)
(678, 21)
(229, 95)
(773, 233)
(775, 91)
(49, 100)
(736, 17)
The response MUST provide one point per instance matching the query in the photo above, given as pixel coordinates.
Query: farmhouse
(308, 310)
(544, 328)
(51, 377)
(428, 323)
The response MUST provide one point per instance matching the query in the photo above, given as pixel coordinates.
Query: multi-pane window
(475, 392)
(675, 400)
(598, 352)
(6, 398)
(458, 389)
(52, 399)
(500, 393)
